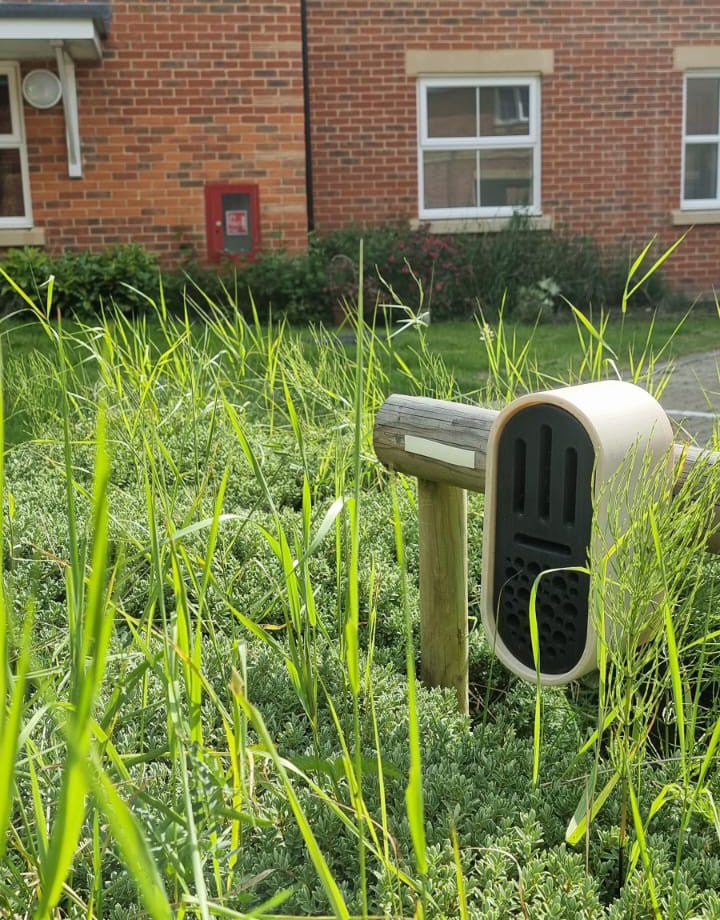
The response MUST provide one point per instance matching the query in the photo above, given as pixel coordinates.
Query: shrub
(401, 266)
(452, 276)
(83, 281)
(289, 283)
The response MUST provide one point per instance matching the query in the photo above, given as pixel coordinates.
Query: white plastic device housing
(618, 418)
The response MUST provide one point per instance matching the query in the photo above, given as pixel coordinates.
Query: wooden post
(443, 587)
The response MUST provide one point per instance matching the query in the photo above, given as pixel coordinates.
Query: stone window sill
(481, 224)
(688, 218)
(17, 237)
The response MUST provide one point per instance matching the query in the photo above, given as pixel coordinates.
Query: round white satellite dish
(42, 89)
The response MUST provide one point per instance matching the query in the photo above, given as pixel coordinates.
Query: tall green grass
(208, 622)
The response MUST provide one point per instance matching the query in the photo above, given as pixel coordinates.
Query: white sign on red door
(236, 223)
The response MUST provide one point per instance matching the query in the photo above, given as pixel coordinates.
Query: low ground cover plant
(208, 624)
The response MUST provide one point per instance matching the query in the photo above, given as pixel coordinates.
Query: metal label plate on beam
(436, 450)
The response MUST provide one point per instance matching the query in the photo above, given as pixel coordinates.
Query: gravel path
(692, 397)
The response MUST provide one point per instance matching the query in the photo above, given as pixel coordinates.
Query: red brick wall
(194, 92)
(611, 110)
(187, 93)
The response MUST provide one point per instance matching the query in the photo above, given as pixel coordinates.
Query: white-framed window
(701, 141)
(15, 210)
(479, 146)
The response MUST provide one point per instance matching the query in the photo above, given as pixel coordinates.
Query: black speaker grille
(543, 521)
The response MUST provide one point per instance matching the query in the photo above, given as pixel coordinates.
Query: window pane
(5, 117)
(449, 179)
(504, 110)
(506, 178)
(237, 231)
(11, 192)
(703, 94)
(451, 111)
(701, 171)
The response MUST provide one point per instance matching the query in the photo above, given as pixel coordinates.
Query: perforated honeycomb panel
(543, 521)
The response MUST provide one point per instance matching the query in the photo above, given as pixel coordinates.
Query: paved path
(692, 397)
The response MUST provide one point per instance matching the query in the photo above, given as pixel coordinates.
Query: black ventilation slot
(544, 469)
(519, 476)
(548, 546)
(543, 519)
(570, 485)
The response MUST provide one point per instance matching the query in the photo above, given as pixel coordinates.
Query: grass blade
(321, 867)
(11, 729)
(132, 843)
(584, 816)
(94, 627)
(414, 803)
(673, 657)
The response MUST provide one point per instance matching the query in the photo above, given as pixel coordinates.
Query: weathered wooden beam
(434, 440)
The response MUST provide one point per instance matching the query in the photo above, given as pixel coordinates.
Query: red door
(232, 214)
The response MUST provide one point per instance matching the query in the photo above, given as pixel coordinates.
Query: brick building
(226, 125)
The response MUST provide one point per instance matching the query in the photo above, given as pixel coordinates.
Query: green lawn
(556, 350)
(447, 359)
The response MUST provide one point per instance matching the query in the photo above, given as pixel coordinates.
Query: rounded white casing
(625, 425)
(42, 89)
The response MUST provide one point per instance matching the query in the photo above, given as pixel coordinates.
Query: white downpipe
(66, 72)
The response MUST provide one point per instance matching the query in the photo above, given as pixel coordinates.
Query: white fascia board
(29, 38)
(64, 29)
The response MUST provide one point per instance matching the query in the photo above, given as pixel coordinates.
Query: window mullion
(483, 143)
(452, 143)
